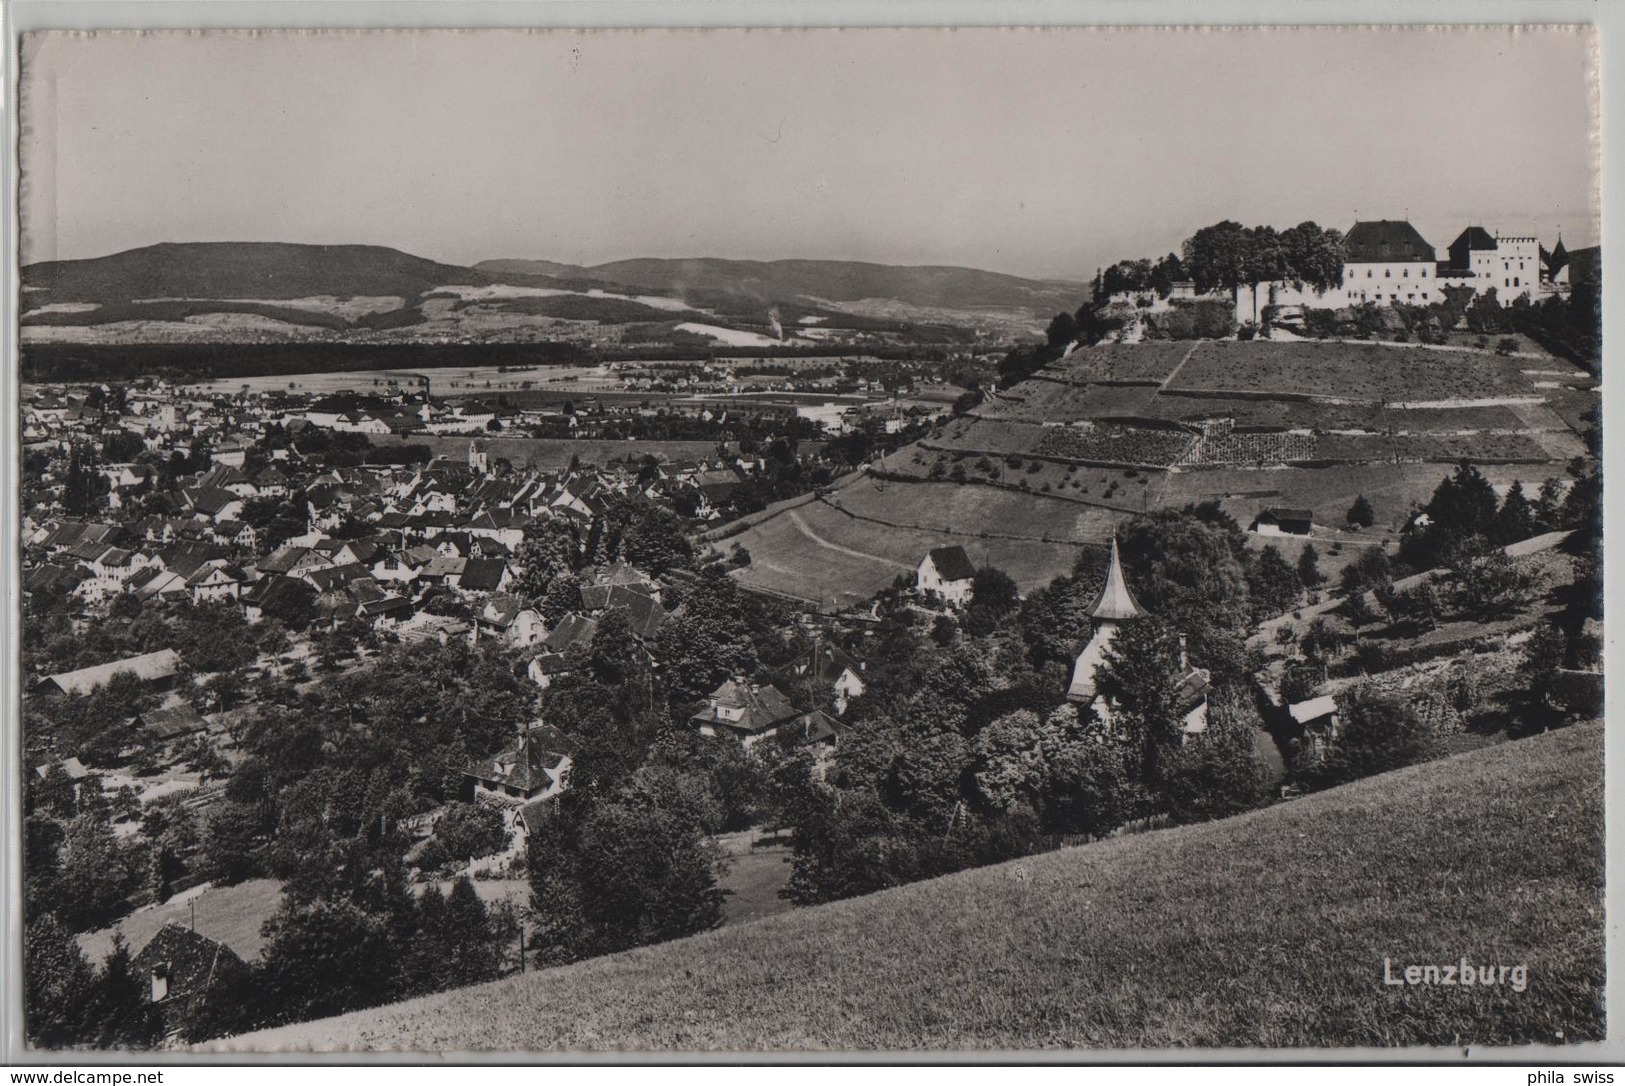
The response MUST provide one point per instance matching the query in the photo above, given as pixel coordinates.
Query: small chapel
(1114, 606)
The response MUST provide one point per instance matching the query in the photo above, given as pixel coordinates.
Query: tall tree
(57, 984)
(1314, 256)
(1218, 256)
(1138, 680)
(1516, 518)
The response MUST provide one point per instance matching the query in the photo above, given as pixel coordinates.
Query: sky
(1038, 152)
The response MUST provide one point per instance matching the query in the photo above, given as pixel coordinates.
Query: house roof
(764, 706)
(526, 765)
(819, 727)
(171, 721)
(1191, 690)
(1474, 237)
(1385, 241)
(211, 499)
(827, 662)
(284, 559)
(483, 574)
(219, 572)
(148, 667)
(645, 615)
(571, 630)
(952, 563)
(1313, 709)
(331, 577)
(1115, 602)
(1280, 513)
(195, 962)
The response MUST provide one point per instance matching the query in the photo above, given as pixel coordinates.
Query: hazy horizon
(1040, 153)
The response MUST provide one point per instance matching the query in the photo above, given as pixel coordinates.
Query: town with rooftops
(482, 670)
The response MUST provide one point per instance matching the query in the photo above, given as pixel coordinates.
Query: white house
(947, 572)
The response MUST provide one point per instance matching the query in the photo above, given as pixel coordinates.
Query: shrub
(1377, 732)
(468, 829)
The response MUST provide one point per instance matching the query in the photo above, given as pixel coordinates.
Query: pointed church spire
(1115, 603)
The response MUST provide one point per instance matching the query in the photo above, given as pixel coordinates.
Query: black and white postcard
(809, 541)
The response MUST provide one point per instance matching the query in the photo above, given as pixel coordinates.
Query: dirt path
(801, 526)
(1169, 380)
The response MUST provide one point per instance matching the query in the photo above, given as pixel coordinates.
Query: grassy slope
(1266, 929)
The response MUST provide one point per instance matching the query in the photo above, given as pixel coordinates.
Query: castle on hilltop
(1389, 262)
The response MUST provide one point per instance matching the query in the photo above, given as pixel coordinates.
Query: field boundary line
(943, 530)
(1168, 380)
(804, 529)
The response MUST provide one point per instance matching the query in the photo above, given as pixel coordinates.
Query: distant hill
(845, 281)
(241, 269)
(548, 268)
(236, 291)
(1267, 929)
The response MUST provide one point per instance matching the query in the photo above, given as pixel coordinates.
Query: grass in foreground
(1268, 929)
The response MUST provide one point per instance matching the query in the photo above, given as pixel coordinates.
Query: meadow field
(840, 553)
(230, 914)
(1281, 927)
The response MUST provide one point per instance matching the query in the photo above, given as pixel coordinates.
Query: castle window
(1406, 273)
(1387, 273)
(1424, 273)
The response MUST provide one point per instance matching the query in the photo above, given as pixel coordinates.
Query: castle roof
(1475, 237)
(1385, 241)
(1115, 602)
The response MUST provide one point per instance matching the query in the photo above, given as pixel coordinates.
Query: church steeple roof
(1115, 602)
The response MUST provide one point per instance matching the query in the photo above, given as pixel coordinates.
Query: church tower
(1115, 605)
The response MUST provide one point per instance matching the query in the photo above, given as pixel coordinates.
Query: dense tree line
(964, 750)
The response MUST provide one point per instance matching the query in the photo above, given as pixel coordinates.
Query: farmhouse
(216, 582)
(947, 572)
(152, 668)
(1283, 521)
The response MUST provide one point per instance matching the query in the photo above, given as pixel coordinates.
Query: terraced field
(1123, 362)
(1011, 479)
(1357, 371)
